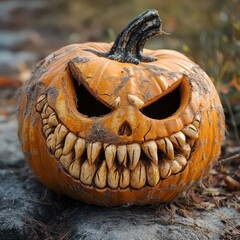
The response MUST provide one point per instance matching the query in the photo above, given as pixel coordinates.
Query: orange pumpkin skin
(174, 152)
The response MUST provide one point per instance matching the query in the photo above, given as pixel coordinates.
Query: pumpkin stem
(129, 43)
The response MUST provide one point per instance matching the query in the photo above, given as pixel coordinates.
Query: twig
(224, 160)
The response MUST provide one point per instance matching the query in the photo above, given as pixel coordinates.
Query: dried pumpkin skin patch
(116, 124)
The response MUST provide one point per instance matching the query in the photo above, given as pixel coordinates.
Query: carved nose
(125, 129)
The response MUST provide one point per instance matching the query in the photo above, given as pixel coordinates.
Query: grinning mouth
(105, 165)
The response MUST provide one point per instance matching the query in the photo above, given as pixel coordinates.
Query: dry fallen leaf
(9, 82)
(231, 183)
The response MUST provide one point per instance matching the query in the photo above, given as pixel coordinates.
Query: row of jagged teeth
(62, 142)
(127, 155)
(141, 175)
(69, 148)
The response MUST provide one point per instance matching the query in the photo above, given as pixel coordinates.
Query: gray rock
(21, 203)
(9, 60)
(6, 7)
(145, 223)
(10, 152)
(10, 39)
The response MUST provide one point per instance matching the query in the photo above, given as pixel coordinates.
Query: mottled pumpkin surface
(152, 130)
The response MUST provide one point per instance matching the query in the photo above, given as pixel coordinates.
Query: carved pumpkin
(107, 125)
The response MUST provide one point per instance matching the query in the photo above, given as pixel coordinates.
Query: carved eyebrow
(154, 98)
(80, 82)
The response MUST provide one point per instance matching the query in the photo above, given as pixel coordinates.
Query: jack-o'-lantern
(116, 124)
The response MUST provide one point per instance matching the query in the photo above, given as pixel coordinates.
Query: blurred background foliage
(206, 31)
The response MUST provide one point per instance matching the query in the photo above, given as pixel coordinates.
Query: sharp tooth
(150, 149)
(60, 133)
(190, 131)
(79, 147)
(93, 149)
(134, 152)
(152, 175)
(138, 176)
(46, 111)
(186, 150)
(69, 143)
(87, 173)
(196, 121)
(181, 160)
(52, 120)
(135, 101)
(66, 160)
(101, 176)
(75, 168)
(116, 103)
(124, 178)
(45, 127)
(166, 146)
(51, 142)
(49, 111)
(196, 124)
(122, 154)
(175, 167)
(113, 177)
(41, 102)
(197, 117)
(165, 168)
(47, 130)
(178, 139)
(58, 152)
(45, 121)
(110, 154)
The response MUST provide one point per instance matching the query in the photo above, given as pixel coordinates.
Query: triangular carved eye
(165, 106)
(87, 104)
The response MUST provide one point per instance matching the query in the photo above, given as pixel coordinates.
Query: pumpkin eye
(87, 104)
(165, 106)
